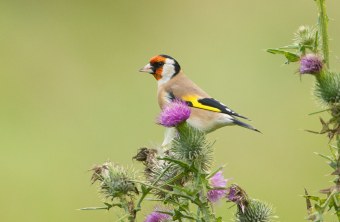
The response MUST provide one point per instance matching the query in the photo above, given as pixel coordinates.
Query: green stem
(125, 204)
(203, 205)
(198, 213)
(183, 215)
(161, 175)
(169, 182)
(165, 191)
(323, 29)
(123, 217)
(138, 207)
(325, 206)
(337, 183)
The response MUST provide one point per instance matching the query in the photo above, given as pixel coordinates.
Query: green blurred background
(71, 96)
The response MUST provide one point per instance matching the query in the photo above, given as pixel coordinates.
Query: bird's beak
(147, 68)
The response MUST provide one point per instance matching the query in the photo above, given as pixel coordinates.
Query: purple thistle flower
(310, 64)
(157, 217)
(174, 113)
(217, 180)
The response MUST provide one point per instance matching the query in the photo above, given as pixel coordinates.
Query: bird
(207, 113)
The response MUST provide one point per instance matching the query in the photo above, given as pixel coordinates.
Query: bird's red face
(162, 67)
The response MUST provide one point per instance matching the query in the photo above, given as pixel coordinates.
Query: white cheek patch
(168, 71)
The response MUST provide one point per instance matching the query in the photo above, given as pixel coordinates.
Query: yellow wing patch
(195, 103)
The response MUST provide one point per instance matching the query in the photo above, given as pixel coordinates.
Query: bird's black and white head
(162, 67)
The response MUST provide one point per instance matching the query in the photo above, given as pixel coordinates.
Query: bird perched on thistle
(207, 114)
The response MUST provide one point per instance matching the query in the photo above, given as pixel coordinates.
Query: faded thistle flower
(237, 195)
(114, 181)
(156, 216)
(146, 156)
(310, 64)
(158, 171)
(217, 181)
(174, 113)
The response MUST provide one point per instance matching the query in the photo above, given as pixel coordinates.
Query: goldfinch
(207, 114)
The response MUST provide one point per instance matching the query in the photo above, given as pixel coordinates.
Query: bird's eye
(158, 64)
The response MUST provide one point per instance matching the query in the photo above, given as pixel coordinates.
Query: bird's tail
(245, 125)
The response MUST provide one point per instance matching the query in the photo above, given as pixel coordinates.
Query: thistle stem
(203, 204)
(337, 182)
(138, 208)
(323, 29)
(324, 206)
(165, 191)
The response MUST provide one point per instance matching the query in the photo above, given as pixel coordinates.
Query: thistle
(157, 171)
(178, 177)
(192, 147)
(115, 184)
(256, 211)
(114, 181)
(305, 38)
(174, 113)
(158, 216)
(217, 181)
(327, 88)
(310, 64)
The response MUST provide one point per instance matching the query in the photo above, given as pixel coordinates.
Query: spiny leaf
(178, 162)
(336, 201)
(291, 57)
(324, 156)
(214, 172)
(310, 197)
(94, 208)
(321, 111)
(316, 42)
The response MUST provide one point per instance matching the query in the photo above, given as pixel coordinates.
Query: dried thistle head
(163, 174)
(146, 156)
(158, 172)
(98, 172)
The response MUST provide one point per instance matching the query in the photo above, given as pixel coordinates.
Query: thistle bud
(305, 36)
(256, 211)
(114, 181)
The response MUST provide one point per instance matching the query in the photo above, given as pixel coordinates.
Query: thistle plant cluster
(310, 50)
(178, 179)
